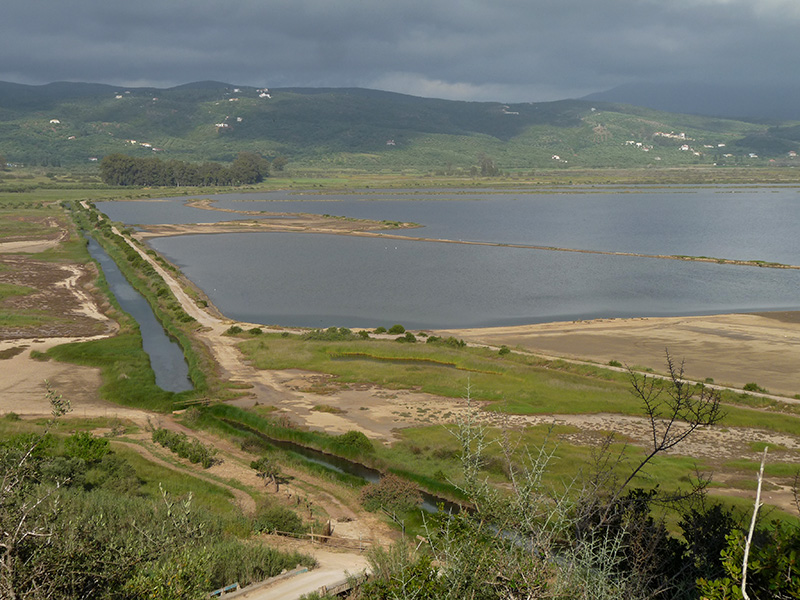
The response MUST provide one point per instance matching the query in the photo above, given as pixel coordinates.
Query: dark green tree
(279, 163)
(249, 167)
(487, 166)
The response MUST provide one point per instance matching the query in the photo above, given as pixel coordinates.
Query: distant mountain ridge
(734, 101)
(353, 128)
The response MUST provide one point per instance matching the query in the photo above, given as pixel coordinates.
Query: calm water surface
(166, 356)
(321, 280)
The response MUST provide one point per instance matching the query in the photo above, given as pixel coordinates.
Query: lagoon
(321, 280)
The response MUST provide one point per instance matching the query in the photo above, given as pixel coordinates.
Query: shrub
(255, 331)
(614, 363)
(85, 446)
(353, 441)
(449, 341)
(392, 493)
(246, 563)
(233, 330)
(327, 408)
(331, 334)
(278, 518)
(407, 338)
(380, 330)
(753, 387)
(503, 350)
(397, 329)
(191, 449)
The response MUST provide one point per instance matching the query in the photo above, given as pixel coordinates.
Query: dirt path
(771, 343)
(735, 345)
(242, 499)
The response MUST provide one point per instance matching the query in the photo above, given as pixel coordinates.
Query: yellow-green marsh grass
(514, 383)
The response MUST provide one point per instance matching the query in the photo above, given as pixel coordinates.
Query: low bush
(331, 334)
(353, 442)
(85, 446)
(754, 387)
(392, 493)
(189, 448)
(278, 518)
(448, 341)
(408, 338)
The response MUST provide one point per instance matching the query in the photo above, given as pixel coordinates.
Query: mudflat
(732, 349)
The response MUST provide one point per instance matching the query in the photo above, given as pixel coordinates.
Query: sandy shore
(732, 349)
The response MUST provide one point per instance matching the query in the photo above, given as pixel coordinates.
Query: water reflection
(166, 356)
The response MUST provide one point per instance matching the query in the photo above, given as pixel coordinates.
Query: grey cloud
(474, 47)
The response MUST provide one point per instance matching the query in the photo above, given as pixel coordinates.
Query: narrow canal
(430, 503)
(166, 355)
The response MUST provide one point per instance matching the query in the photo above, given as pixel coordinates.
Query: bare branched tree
(674, 407)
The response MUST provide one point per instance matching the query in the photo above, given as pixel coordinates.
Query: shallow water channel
(430, 503)
(166, 356)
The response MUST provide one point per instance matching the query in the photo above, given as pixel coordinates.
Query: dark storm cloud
(473, 49)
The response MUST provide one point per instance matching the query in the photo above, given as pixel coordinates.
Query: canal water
(166, 355)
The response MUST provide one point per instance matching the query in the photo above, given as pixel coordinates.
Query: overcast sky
(502, 50)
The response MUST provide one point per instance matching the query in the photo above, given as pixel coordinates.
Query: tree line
(123, 170)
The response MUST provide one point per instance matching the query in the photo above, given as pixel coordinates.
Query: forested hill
(74, 123)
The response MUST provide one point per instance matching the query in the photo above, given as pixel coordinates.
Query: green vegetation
(127, 376)
(391, 493)
(189, 448)
(515, 383)
(754, 387)
(354, 130)
(83, 518)
(144, 278)
(8, 290)
(123, 170)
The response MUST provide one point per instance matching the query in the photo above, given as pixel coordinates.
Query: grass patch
(525, 384)
(127, 376)
(8, 290)
(771, 469)
(512, 383)
(11, 352)
(207, 495)
(760, 446)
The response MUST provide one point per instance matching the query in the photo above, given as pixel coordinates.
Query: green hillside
(70, 124)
